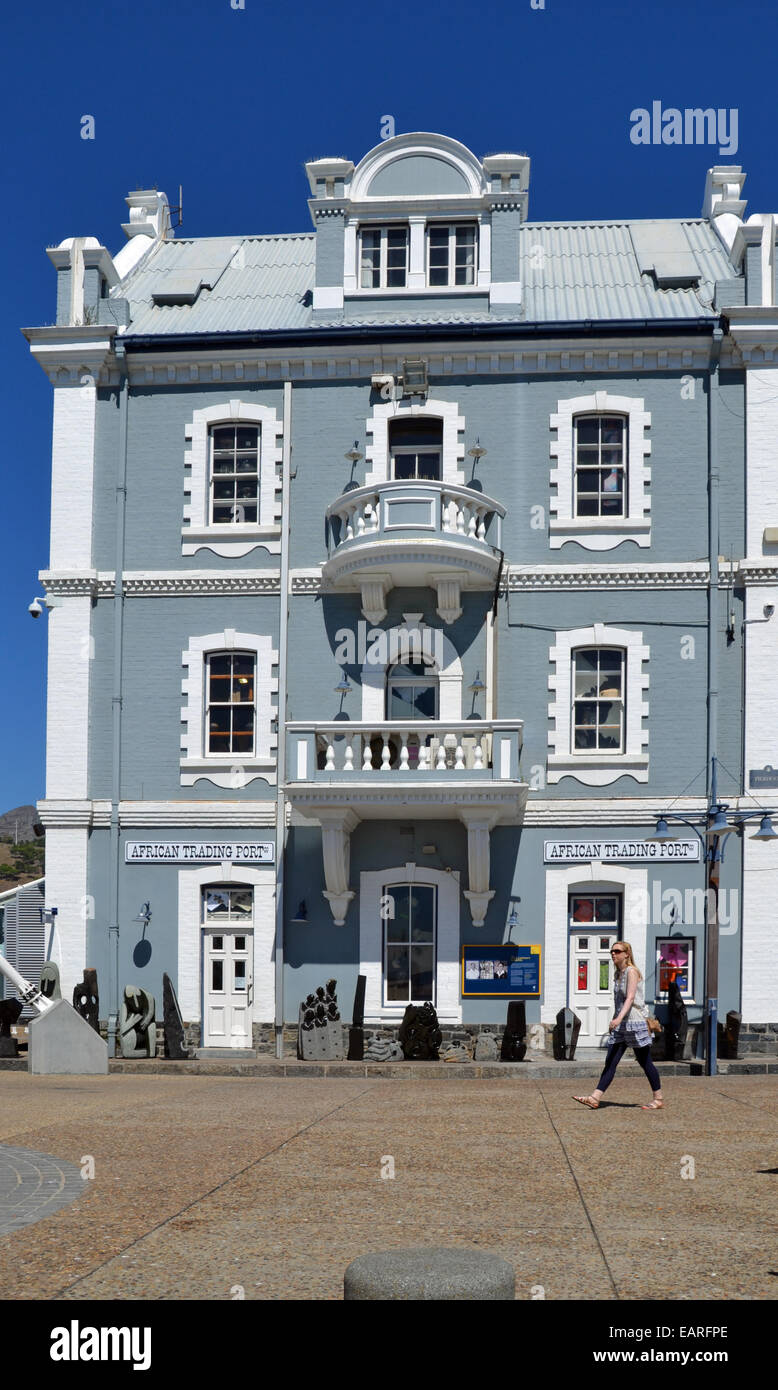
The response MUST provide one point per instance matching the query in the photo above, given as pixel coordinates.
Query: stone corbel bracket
(336, 828)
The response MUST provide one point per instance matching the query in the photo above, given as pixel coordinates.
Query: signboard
(500, 971)
(198, 852)
(766, 776)
(576, 851)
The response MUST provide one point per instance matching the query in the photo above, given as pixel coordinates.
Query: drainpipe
(116, 709)
(713, 866)
(283, 630)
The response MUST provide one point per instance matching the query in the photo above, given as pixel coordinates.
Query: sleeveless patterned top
(634, 1030)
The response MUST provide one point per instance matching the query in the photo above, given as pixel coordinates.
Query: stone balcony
(413, 534)
(343, 771)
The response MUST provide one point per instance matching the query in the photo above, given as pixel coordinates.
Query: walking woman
(628, 1028)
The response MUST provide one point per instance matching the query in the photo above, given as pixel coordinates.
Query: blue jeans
(615, 1053)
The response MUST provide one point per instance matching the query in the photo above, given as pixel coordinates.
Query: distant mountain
(18, 823)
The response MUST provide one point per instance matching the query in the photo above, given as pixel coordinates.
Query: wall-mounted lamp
(476, 689)
(513, 919)
(144, 916)
(47, 915)
(475, 454)
(343, 688)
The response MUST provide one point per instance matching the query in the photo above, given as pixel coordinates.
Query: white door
(227, 968)
(594, 926)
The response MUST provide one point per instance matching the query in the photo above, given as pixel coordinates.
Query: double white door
(227, 988)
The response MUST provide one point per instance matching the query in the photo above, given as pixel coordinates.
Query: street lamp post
(719, 821)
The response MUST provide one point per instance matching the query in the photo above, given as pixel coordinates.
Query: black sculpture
(356, 1033)
(320, 1032)
(565, 1037)
(420, 1036)
(10, 1010)
(677, 1024)
(729, 1036)
(514, 1048)
(86, 1000)
(173, 1023)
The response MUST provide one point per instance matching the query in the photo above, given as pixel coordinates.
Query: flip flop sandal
(655, 1105)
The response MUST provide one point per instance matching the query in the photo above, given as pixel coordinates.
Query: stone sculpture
(173, 1023)
(566, 1030)
(356, 1033)
(86, 1000)
(383, 1050)
(486, 1048)
(514, 1047)
(729, 1036)
(50, 986)
(420, 1035)
(137, 1025)
(320, 1031)
(455, 1052)
(10, 1010)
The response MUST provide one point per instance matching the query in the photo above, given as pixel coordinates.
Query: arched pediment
(418, 166)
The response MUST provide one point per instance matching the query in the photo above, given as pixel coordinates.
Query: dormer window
(452, 254)
(383, 258)
(416, 448)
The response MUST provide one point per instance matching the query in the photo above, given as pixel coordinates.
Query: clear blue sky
(230, 103)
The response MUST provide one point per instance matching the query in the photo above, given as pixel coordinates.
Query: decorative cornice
(308, 581)
(691, 575)
(205, 814)
(358, 360)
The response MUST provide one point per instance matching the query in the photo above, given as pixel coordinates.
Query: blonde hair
(630, 960)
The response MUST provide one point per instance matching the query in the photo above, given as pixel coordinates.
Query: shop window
(675, 964)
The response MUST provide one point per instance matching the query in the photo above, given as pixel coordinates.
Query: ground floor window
(409, 911)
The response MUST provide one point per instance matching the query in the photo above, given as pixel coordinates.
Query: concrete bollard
(430, 1275)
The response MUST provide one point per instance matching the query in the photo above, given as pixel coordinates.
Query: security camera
(35, 609)
(768, 610)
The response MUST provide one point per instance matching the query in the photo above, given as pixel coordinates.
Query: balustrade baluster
(460, 519)
(361, 523)
(348, 760)
(481, 533)
(404, 762)
(386, 755)
(329, 765)
(440, 765)
(472, 524)
(367, 756)
(459, 757)
(478, 755)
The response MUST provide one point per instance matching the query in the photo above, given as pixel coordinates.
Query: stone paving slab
(34, 1185)
(204, 1185)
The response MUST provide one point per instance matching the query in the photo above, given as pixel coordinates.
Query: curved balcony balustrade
(422, 534)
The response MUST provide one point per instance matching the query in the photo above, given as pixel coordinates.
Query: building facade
(402, 572)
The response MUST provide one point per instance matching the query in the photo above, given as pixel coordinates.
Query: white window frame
(597, 699)
(235, 477)
(383, 273)
(208, 704)
(622, 468)
(388, 890)
(378, 455)
(372, 885)
(453, 227)
(598, 768)
(600, 532)
(233, 538)
(228, 769)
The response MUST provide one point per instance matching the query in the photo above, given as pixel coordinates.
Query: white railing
(426, 748)
(457, 511)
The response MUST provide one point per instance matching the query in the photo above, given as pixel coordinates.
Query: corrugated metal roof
(262, 286)
(590, 271)
(569, 272)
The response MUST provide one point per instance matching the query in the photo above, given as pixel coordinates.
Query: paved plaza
(213, 1187)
